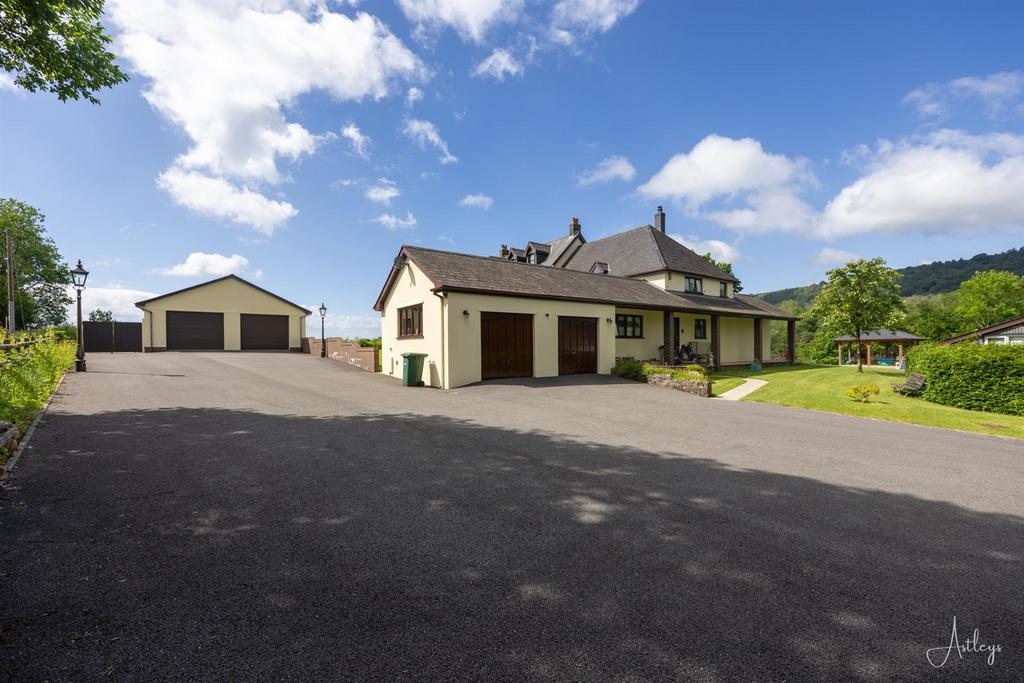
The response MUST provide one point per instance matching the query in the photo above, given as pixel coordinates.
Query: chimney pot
(503, 252)
(659, 220)
(574, 226)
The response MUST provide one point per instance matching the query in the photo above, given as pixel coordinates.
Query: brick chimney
(574, 226)
(659, 220)
(503, 252)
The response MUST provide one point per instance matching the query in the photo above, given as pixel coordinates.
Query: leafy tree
(858, 297)
(40, 275)
(934, 316)
(727, 267)
(57, 46)
(991, 296)
(101, 316)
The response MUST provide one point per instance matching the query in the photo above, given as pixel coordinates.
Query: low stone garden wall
(697, 388)
(364, 357)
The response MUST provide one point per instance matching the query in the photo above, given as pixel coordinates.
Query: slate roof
(644, 250)
(991, 329)
(558, 246)
(450, 271)
(881, 335)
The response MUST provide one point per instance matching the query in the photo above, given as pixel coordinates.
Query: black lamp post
(323, 339)
(78, 277)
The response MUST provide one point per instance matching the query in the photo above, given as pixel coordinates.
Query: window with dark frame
(694, 285)
(629, 326)
(723, 289)
(700, 328)
(410, 321)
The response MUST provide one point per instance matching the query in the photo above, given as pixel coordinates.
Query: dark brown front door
(264, 332)
(191, 331)
(577, 345)
(506, 345)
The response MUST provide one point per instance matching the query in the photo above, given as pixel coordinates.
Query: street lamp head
(79, 275)
(323, 310)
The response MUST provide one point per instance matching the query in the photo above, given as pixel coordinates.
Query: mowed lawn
(823, 387)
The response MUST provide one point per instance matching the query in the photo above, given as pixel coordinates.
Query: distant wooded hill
(931, 278)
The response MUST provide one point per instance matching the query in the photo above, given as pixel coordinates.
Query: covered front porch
(713, 340)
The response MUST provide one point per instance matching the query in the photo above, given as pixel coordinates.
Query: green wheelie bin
(412, 369)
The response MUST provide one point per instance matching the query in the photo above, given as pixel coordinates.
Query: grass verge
(28, 377)
(823, 387)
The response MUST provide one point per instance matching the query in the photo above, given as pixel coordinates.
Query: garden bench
(913, 385)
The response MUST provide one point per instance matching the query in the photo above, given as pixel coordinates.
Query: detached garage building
(226, 314)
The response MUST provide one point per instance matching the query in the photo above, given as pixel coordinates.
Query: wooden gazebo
(900, 338)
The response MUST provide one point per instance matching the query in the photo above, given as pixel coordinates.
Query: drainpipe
(442, 296)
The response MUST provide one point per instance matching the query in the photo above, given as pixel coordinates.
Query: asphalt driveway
(280, 517)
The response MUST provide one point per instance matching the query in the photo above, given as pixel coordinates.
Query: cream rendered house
(568, 307)
(226, 314)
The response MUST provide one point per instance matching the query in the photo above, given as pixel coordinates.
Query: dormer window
(694, 285)
(723, 289)
(532, 258)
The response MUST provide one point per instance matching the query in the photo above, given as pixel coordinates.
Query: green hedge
(987, 377)
(28, 376)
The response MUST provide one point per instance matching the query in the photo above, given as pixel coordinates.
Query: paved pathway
(270, 516)
(748, 387)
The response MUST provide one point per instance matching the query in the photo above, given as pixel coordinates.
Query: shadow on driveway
(188, 543)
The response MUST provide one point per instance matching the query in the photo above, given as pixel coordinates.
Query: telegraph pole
(10, 285)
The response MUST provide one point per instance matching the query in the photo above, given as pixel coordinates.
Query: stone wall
(689, 386)
(364, 357)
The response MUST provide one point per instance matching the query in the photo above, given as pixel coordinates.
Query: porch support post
(716, 344)
(791, 340)
(900, 347)
(840, 345)
(757, 340)
(667, 351)
(869, 353)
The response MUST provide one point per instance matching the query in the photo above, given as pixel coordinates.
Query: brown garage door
(191, 331)
(506, 345)
(577, 345)
(264, 332)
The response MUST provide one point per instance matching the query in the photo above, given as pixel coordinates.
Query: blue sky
(283, 139)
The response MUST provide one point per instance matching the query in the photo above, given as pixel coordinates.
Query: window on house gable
(410, 321)
(694, 285)
(723, 289)
(629, 326)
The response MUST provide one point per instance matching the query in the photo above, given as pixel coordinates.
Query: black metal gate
(101, 337)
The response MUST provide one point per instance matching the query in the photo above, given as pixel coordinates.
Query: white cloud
(199, 264)
(827, 256)
(587, 17)
(949, 181)
(219, 198)
(720, 251)
(119, 301)
(383, 191)
(737, 184)
(412, 96)
(7, 83)
(612, 168)
(392, 222)
(345, 182)
(478, 200)
(425, 133)
(360, 143)
(470, 18)
(498, 65)
(999, 92)
(719, 166)
(344, 325)
(225, 73)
